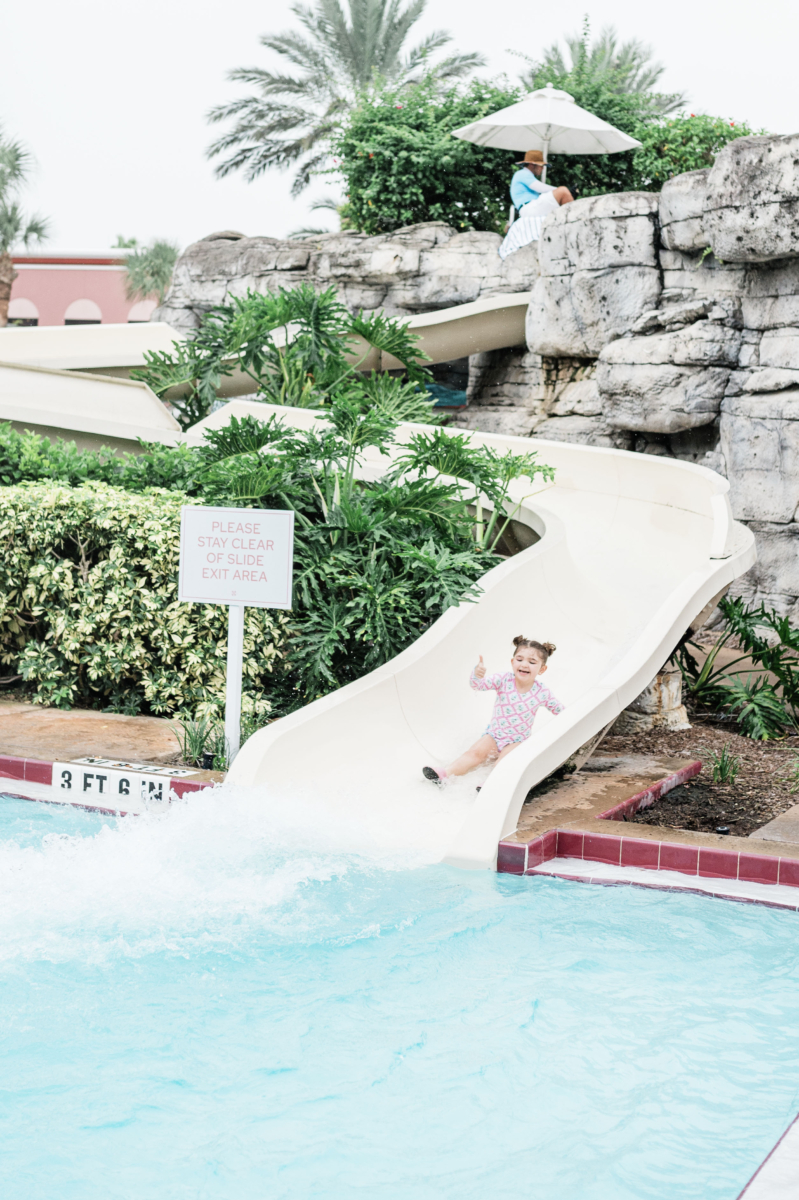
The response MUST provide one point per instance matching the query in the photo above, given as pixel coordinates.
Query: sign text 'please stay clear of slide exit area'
(236, 556)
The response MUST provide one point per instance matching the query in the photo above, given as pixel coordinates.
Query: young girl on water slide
(520, 694)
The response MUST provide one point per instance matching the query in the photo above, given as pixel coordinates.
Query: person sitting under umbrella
(534, 200)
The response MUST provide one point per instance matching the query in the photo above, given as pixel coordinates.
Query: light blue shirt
(524, 187)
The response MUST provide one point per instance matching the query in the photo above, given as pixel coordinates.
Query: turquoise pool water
(225, 1002)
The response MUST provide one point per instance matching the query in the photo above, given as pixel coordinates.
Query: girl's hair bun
(544, 648)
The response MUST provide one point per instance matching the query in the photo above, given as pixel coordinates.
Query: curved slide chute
(631, 548)
(113, 351)
(72, 381)
(105, 349)
(93, 410)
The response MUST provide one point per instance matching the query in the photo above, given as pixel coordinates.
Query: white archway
(83, 312)
(142, 311)
(23, 312)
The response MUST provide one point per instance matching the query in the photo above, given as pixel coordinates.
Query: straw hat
(532, 156)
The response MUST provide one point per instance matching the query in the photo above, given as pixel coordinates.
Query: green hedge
(89, 613)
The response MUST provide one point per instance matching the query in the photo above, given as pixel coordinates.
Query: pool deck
(32, 731)
(777, 1177)
(105, 762)
(580, 831)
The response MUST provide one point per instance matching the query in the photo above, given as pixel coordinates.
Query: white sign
(115, 788)
(236, 556)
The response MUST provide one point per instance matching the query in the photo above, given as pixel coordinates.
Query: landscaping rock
(774, 579)
(752, 207)
(580, 398)
(585, 431)
(771, 298)
(770, 379)
(681, 208)
(760, 443)
(780, 348)
(599, 273)
(667, 382)
(659, 706)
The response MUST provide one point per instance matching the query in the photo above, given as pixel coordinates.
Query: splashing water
(258, 995)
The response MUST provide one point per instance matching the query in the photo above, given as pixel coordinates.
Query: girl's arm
(480, 682)
(552, 703)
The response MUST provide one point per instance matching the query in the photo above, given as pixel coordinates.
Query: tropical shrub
(299, 347)
(762, 709)
(401, 164)
(33, 458)
(89, 613)
(682, 143)
(375, 563)
(617, 82)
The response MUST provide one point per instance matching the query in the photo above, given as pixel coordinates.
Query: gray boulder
(580, 399)
(599, 273)
(774, 579)
(770, 379)
(686, 275)
(760, 443)
(752, 208)
(771, 299)
(681, 207)
(780, 348)
(585, 431)
(667, 382)
(703, 343)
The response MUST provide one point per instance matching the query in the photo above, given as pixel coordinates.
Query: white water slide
(626, 551)
(630, 550)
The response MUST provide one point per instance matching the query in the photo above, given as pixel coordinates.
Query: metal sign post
(235, 670)
(237, 557)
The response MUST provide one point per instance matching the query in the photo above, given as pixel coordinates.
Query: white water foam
(214, 861)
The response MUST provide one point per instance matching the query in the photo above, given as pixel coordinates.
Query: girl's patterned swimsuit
(514, 712)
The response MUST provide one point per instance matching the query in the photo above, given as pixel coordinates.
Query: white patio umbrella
(550, 121)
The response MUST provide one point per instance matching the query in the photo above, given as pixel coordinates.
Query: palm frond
(16, 162)
(625, 67)
(148, 270)
(341, 47)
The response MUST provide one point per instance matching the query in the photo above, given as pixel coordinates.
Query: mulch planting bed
(760, 791)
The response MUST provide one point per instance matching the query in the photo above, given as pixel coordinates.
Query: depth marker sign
(238, 557)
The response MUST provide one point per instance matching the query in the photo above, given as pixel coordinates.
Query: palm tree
(291, 117)
(625, 68)
(15, 226)
(148, 270)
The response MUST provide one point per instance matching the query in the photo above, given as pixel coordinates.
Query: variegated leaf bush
(89, 613)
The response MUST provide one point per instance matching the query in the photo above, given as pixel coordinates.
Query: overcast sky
(112, 98)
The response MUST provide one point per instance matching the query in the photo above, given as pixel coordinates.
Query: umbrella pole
(546, 155)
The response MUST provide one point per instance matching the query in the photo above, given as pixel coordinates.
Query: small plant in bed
(725, 765)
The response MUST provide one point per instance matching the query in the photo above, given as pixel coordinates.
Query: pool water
(230, 1001)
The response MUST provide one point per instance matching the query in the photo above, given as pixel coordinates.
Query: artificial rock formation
(751, 211)
(417, 269)
(664, 324)
(599, 272)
